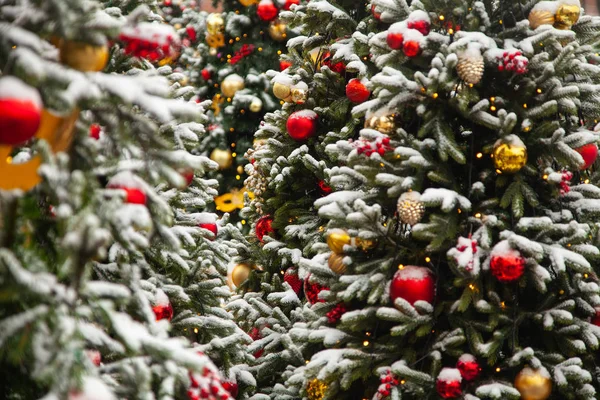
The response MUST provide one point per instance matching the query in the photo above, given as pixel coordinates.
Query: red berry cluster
(152, 50)
(513, 61)
(312, 290)
(387, 381)
(381, 146)
(565, 183)
(209, 388)
(244, 51)
(336, 313)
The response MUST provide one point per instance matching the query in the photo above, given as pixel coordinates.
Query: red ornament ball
(302, 124)
(95, 131)
(469, 367)
(325, 188)
(312, 290)
(188, 175)
(395, 40)
(356, 91)
(596, 318)
(292, 278)
(20, 111)
(338, 67)
(206, 74)
(163, 311)
(231, 387)
(336, 313)
(589, 152)
(413, 284)
(289, 3)
(421, 25)
(191, 32)
(506, 264)
(264, 227)
(283, 65)
(133, 195)
(376, 15)
(255, 335)
(411, 48)
(266, 10)
(210, 227)
(448, 383)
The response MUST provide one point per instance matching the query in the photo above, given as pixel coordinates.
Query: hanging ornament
(278, 30)
(215, 24)
(337, 239)
(534, 384)
(448, 383)
(132, 185)
(395, 40)
(376, 14)
(188, 175)
(566, 16)
(206, 74)
(312, 290)
(215, 41)
(231, 387)
(239, 274)
(589, 153)
(282, 91)
(356, 91)
(95, 131)
(231, 84)
(248, 3)
(336, 313)
(222, 157)
(413, 284)
(301, 125)
(162, 307)
(419, 20)
(411, 45)
(255, 334)
(410, 208)
(151, 41)
(264, 226)
(191, 32)
(465, 256)
(338, 67)
(283, 65)
(470, 65)
(255, 105)
(382, 123)
(316, 389)
(324, 188)
(83, 56)
(292, 278)
(539, 17)
(299, 93)
(596, 318)
(20, 111)
(266, 10)
(506, 263)
(510, 154)
(336, 263)
(209, 224)
(289, 3)
(469, 367)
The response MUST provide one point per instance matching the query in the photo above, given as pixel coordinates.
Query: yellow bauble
(540, 17)
(281, 91)
(247, 3)
(222, 157)
(534, 384)
(215, 41)
(336, 263)
(510, 154)
(83, 56)
(337, 239)
(566, 16)
(383, 123)
(215, 24)
(316, 389)
(240, 273)
(255, 105)
(231, 85)
(277, 30)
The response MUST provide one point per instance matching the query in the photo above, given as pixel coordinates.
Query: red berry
(95, 131)
(356, 91)
(191, 32)
(266, 10)
(411, 48)
(206, 74)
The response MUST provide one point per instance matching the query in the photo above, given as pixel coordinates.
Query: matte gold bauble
(337, 239)
(533, 384)
(382, 123)
(281, 91)
(336, 263)
(83, 56)
(277, 30)
(240, 273)
(566, 16)
(215, 41)
(231, 85)
(539, 18)
(248, 3)
(215, 24)
(222, 157)
(510, 154)
(255, 105)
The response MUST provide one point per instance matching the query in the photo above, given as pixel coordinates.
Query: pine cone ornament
(410, 208)
(470, 66)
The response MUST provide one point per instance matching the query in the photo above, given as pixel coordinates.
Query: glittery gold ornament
(240, 273)
(540, 17)
(337, 239)
(534, 384)
(231, 84)
(222, 157)
(410, 208)
(277, 30)
(215, 24)
(382, 123)
(336, 263)
(299, 95)
(316, 389)
(282, 91)
(82, 56)
(510, 154)
(215, 41)
(255, 105)
(248, 3)
(566, 16)
(216, 103)
(470, 66)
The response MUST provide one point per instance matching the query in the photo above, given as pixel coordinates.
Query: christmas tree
(461, 231)
(104, 238)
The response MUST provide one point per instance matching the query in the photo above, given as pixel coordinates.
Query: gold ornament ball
(410, 208)
(231, 85)
(337, 239)
(281, 91)
(533, 384)
(83, 56)
(336, 263)
(277, 30)
(215, 24)
(510, 154)
(299, 95)
(240, 273)
(248, 3)
(215, 41)
(222, 157)
(316, 389)
(382, 123)
(540, 17)
(256, 105)
(566, 16)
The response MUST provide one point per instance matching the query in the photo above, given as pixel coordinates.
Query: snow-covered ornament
(356, 91)
(232, 387)
(596, 318)
(534, 384)
(222, 157)
(299, 93)
(538, 17)
(215, 24)
(316, 389)
(413, 284)
(466, 256)
(264, 227)
(282, 91)
(589, 153)
(336, 263)
(510, 154)
(448, 383)
(292, 278)
(132, 185)
(566, 16)
(255, 334)
(338, 67)
(376, 14)
(231, 85)
(255, 105)
(506, 264)
(411, 48)
(207, 221)
(289, 3)
(470, 65)
(208, 386)
(469, 367)
(206, 74)
(334, 315)
(338, 238)
(302, 125)
(382, 123)
(266, 10)
(151, 41)
(410, 208)
(188, 175)
(278, 30)
(312, 290)
(162, 307)
(420, 21)
(395, 40)
(20, 111)
(324, 188)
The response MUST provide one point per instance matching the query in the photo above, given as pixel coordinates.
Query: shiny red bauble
(255, 335)
(19, 116)
(289, 3)
(507, 267)
(95, 131)
(292, 278)
(421, 26)
(325, 188)
(411, 48)
(133, 195)
(206, 74)
(163, 311)
(283, 65)
(191, 32)
(264, 227)
(395, 40)
(338, 67)
(469, 367)
(210, 227)
(231, 387)
(302, 124)
(188, 175)
(596, 318)
(356, 91)
(448, 383)
(266, 10)
(413, 284)
(589, 153)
